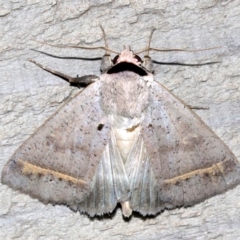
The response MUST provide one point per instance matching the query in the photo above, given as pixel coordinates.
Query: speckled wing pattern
(181, 162)
(74, 159)
(57, 164)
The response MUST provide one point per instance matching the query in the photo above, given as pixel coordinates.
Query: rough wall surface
(29, 95)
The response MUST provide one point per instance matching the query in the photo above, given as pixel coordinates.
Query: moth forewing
(123, 139)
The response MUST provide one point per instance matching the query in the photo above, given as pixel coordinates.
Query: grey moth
(125, 139)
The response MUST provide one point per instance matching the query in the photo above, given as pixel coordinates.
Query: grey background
(28, 96)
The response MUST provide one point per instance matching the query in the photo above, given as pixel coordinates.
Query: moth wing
(181, 162)
(58, 163)
(110, 185)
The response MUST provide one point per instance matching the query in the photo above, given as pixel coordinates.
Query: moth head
(127, 55)
(126, 60)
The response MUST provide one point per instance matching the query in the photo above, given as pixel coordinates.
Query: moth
(123, 139)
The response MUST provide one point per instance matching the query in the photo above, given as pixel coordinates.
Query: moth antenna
(169, 50)
(149, 41)
(76, 46)
(175, 50)
(105, 40)
(182, 50)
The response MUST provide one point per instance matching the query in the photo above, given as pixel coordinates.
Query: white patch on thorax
(126, 130)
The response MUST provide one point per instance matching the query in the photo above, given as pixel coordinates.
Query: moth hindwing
(123, 139)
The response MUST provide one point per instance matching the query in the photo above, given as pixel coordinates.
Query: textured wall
(29, 95)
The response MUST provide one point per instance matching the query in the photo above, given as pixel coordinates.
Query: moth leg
(126, 209)
(79, 81)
